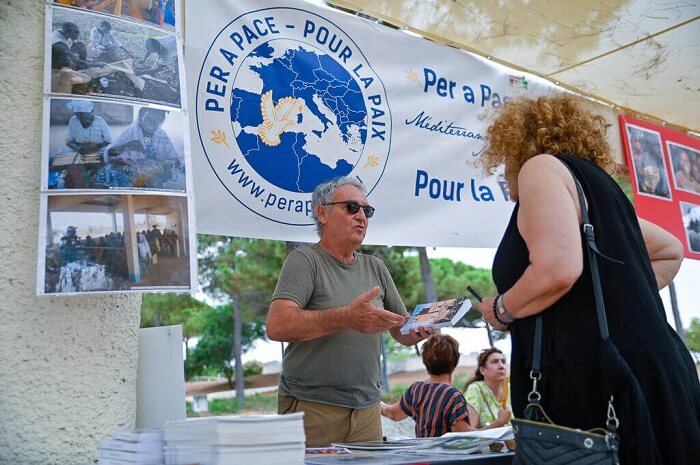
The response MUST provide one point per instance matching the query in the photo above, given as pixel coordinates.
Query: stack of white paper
(497, 434)
(141, 447)
(258, 439)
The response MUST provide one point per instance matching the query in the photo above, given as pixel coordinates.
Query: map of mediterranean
(325, 127)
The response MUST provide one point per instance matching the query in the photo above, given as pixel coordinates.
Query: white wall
(67, 365)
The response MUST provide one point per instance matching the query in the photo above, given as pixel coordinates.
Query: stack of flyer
(140, 447)
(244, 439)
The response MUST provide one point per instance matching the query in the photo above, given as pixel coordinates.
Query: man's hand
(414, 336)
(363, 316)
(422, 332)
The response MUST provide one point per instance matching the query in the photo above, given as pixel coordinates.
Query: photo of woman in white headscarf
(85, 136)
(87, 132)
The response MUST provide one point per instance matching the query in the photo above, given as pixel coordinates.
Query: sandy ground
(207, 387)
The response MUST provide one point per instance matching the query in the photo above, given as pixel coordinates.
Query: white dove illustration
(277, 118)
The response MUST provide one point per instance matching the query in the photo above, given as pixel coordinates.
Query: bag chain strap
(534, 397)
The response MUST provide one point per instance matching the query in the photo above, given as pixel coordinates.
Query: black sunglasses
(354, 207)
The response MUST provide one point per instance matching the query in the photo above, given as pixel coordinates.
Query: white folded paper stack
(140, 447)
(244, 439)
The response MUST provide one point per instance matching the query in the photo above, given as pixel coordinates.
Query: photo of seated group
(648, 162)
(108, 243)
(101, 145)
(93, 54)
(158, 12)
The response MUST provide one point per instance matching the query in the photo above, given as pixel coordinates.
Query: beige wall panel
(67, 365)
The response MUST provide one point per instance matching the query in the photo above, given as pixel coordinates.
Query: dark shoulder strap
(610, 357)
(592, 250)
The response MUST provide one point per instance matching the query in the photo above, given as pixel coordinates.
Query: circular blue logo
(285, 101)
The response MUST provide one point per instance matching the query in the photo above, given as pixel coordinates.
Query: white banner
(285, 95)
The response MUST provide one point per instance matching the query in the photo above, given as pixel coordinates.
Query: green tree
(622, 178)
(214, 348)
(173, 309)
(692, 335)
(242, 272)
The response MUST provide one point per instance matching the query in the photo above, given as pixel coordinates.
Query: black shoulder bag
(540, 441)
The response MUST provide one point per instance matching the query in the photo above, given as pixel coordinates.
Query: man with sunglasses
(332, 305)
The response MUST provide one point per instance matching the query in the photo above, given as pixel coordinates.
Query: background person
(64, 74)
(68, 34)
(142, 155)
(70, 246)
(165, 49)
(331, 305)
(695, 169)
(487, 392)
(540, 268)
(683, 174)
(435, 404)
(103, 45)
(87, 133)
(653, 169)
(144, 252)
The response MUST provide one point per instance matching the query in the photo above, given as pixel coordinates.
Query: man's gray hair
(324, 192)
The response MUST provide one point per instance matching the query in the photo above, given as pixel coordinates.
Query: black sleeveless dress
(571, 376)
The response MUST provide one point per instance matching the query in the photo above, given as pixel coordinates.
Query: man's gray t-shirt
(342, 368)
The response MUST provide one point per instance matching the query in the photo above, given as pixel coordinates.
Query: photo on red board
(648, 162)
(691, 223)
(685, 162)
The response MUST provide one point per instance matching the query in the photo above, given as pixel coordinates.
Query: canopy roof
(640, 56)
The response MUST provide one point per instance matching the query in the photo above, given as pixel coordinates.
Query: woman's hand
(485, 307)
(135, 145)
(503, 417)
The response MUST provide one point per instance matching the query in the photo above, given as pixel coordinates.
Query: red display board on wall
(665, 174)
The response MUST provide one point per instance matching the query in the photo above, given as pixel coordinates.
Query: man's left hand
(414, 335)
(422, 332)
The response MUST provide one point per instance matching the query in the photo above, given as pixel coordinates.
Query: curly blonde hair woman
(540, 268)
(549, 125)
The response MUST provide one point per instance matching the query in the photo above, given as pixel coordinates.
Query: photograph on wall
(648, 162)
(97, 55)
(685, 162)
(161, 13)
(103, 145)
(691, 223)
(115, 243)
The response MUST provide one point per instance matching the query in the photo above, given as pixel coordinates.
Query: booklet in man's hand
(437, 314)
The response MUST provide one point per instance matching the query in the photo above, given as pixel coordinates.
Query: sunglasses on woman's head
(354, 207)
